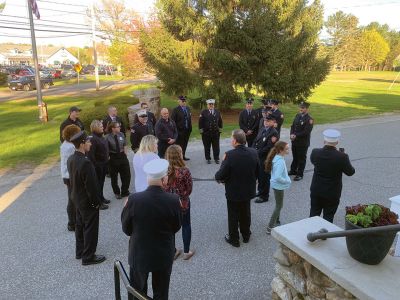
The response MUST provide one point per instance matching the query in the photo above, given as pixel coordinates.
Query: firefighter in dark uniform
(300, 133)
(86, 197)
(329, 165)
(264, 142)
(119, 163)
(263, 112)
(73, 119)
(277, 114)
(249, 121)
(166, 132)
(140, 129)
(210, 126)
(150, 116)
(183, 120)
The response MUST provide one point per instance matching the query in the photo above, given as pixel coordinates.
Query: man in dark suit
(86, 197)
(112, 116)
(150, 116)
(210, 126)
(183, 120)
(263, 143)
(151, 218)
(248, 121)
(326, 186)
(300, 133)
(239, 172)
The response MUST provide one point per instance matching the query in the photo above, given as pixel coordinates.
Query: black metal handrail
(119, 272)
(324, 234)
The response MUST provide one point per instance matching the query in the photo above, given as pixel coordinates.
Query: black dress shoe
(71, 227)
(106, 201)
(103, 206)
(260, 200)
(78, 256)
(217, 161)
(298, 178)
(229, 241)
(95, 259)
(209, 161)
(185, 158)
(291, 173)
(246, 239)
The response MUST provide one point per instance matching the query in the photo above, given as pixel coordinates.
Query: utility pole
(96, 67)
(35, 61)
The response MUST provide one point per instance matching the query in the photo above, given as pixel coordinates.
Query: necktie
(248, 112)
(117, 144)
(186, 116)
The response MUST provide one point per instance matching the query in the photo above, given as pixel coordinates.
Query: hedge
(99, 110)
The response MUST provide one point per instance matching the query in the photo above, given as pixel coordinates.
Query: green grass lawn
(86, 78)
(343, 96)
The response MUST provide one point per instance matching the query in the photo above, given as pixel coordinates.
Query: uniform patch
(311, 121)
(281, 116)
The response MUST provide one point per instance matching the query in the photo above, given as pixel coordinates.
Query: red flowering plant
(371, 215)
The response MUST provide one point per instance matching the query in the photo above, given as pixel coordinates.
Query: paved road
(71, 89)
(37, 252)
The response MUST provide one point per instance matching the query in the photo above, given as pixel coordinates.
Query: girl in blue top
(280, 180)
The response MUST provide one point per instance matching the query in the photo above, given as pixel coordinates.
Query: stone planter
(369, 249)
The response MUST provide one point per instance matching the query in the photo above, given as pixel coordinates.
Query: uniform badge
(120, 138)
(301, 122)
(281, 116)
(264, 139)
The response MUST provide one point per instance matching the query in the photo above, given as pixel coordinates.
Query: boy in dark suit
(326, 186)
(151, 218)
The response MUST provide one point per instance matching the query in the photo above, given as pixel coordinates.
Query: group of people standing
(160, 205)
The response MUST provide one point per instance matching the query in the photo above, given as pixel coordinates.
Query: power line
(42, 37)
(45, 30)
(42, 25)
(364, 5)
(62, 3)
(42, 20)
(50, 9)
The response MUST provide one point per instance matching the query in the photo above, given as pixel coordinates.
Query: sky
(69, 15)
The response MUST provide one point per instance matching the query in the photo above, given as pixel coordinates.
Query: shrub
(99, 110)
(3, 79)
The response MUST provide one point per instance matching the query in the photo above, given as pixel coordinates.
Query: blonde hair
(147, 144)
(95, 125)
(175, 159)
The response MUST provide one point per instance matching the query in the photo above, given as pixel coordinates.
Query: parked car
(27, 83)
(104, 71)
(68, 73)
(89, 69)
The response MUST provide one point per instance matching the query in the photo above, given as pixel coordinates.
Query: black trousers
(101, 171)
(183, 140)
(162, 148)
(327, 206)
(119, 164)
(70, 206)
(239, 216)
(250, 139)
(211, 139)
(263, 181)
(86, 232)
(299, 159)
(160, 282)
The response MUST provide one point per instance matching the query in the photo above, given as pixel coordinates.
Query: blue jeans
(186, 230)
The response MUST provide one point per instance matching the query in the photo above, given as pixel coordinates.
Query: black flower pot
(369, 249)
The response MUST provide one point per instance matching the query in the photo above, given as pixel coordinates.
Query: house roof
(42, 50)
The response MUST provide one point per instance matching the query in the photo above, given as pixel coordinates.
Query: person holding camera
(329, 165)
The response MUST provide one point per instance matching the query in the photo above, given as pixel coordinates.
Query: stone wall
(151, 96)
(297, 279)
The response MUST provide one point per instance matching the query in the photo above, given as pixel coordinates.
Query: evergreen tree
(222, 47)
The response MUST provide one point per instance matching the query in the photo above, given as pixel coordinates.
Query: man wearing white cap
(151, 218)
(140, 129)
(210, 126)
(326, 186)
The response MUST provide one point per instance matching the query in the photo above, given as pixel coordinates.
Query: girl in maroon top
(180, 183)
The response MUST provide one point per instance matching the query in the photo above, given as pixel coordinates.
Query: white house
(61, 56)
(3, 59)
